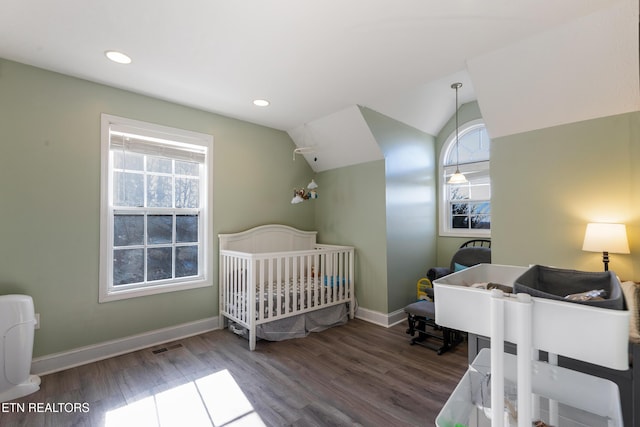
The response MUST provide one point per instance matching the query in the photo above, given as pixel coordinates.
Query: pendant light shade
(458, 177)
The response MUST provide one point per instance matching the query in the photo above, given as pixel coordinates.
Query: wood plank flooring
(358, 374)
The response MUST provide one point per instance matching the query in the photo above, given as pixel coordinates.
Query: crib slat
(310, 273)
(278, 286)
(234, 288)
(261, 281)
(320, 289)
(248, 303)
(337, 281)
(295, 271)
(269, 285)
(287, 286)
(250, 300)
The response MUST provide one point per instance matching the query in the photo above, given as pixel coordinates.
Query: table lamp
(605, 238)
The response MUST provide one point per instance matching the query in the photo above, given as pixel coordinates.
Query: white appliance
(17, 325)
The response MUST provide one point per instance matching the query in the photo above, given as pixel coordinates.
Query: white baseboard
(83, 355)
(383, 319)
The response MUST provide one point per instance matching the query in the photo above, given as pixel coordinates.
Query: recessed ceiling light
(118, 57)
(260, 102)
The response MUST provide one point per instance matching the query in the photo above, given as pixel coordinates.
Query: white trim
(92, 353)
(382, 319)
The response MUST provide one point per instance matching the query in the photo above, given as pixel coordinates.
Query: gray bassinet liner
(556, 283)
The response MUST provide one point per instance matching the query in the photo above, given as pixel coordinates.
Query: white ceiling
(316, 60)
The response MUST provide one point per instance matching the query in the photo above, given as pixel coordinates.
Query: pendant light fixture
(458, 177)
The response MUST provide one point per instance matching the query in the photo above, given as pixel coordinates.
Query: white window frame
(162, 134)
(445, 212)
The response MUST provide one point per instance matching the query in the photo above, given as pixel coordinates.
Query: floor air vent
(164, 349)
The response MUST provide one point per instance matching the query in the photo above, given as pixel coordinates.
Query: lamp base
(605, 260)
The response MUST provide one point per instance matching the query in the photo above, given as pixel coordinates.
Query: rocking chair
(421, 315)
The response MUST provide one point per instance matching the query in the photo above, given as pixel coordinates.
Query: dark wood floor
(356, 374)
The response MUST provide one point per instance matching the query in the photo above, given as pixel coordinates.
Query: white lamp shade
(312, 185)
(457, 178)
(604, 237)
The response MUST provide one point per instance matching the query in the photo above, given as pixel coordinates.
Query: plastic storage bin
(556, 283)
(583, 400)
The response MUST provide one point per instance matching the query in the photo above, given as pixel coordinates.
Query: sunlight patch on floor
(224, 399)
(140, 413)
(180, 404)
(214, 400)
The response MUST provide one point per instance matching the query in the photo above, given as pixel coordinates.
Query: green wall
(410, 172)
(548, 184)
(50, 200)
(351, 211)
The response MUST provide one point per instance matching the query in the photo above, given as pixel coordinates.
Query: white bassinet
(275, 272)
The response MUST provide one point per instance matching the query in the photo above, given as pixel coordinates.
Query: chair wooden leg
(411, 320)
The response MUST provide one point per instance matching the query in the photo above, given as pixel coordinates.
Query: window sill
(466, 233)
(116, 295)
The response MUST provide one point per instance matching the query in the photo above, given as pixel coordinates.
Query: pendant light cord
(457, 177)
(456, 86)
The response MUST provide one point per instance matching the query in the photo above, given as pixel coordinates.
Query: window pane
(159, 191)
(474, 146)
(128, 230)
(458, 192)
(186, 261)
(460, 222)
(158, 164)
(186, 228)
(187, 168)
(128, 266)
(481, 222)
(132, 161)
(128, 189)
(482, 191)
(159, 229)
(159, 264)
(459, 208)
(187, 193)
(480, 208)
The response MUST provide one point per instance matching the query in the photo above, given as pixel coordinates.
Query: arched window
(465, 209)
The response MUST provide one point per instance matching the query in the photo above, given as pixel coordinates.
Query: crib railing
(262, 287)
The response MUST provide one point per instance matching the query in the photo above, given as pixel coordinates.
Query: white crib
(272, 272)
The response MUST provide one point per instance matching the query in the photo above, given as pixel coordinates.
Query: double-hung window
(155, 219)
(465, 209)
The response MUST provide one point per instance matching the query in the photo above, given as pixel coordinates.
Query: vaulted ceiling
(530, 63)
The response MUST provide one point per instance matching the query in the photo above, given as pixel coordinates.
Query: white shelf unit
(563, 397)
